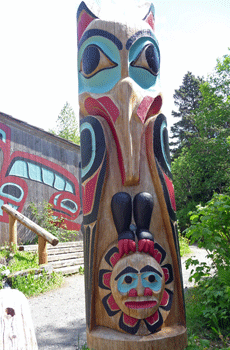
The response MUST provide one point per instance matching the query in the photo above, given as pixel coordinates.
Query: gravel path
(59, 315)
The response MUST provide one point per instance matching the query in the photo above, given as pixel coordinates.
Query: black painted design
(140, 34)
(170, 272)
(152, 58)
(102, 273)
(121, 205)
(90, 59)
(142, 210)
(158, 247)
(170, 300)
(99, 160)
(99, 32)
(152, 327)
(107, 307)
(110, 255)
(127, 328)
(160, 138)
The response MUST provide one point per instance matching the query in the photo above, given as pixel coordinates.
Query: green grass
(184, 245)
(32, 284)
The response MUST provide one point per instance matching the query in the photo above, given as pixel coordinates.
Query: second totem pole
(133, 283)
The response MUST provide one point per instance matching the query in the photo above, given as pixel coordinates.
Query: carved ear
(150, 17)
(84, 18)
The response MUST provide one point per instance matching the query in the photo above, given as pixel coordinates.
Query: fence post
(12, 231)
(42, 250)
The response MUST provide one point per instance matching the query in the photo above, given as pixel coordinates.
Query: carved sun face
(136, 290)
(137, 285)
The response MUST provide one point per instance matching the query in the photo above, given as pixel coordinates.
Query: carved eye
(151, 278)
(128, 279)
(149, 59)
(94, 60)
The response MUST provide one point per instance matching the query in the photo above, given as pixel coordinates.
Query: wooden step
(64, 256)
(68, 262)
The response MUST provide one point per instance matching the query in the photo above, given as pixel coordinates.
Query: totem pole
(133, 283)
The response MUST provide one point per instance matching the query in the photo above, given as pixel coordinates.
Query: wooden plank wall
(36, 166)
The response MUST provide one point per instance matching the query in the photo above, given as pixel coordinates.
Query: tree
(67, 126)
(187, 99)
(203, 165)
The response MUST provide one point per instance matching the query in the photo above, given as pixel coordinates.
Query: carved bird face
(119, 67)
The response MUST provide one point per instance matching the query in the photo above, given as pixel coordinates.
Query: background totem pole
(134, 295)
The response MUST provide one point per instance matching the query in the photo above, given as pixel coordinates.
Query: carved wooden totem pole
(134, 294)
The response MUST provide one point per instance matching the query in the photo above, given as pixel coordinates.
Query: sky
(38, 51)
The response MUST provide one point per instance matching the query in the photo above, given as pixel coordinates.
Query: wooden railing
(43, 235)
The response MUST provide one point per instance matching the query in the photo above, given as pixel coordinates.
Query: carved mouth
(140, 304)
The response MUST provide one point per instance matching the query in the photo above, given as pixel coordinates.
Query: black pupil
(90, 59)
(152, 58)
(152, 278)
(128, 279)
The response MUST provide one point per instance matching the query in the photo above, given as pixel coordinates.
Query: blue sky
(38, 60)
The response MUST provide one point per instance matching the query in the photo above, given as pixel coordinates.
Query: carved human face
(137, 285)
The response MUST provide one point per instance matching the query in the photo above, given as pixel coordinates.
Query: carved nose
(129, 129)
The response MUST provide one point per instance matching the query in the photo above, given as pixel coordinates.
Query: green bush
(210, 229)
(43, 215)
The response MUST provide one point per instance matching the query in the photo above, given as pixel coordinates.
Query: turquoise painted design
(2, 135)
(12, 191)
(162, 138)
(59, 183)
(106, 78)
(89, 127)
(37, 173)
(34, 172)
(48, 177)
(155, 285)
(20, 169)
(69, 205)
(56, 198)
(125, 287)
(142, 76)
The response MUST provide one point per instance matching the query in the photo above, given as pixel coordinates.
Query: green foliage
(210, 228)
(184, 245)
(20, 260)
(202, 166)
(43, 216)
(67, 125)
(81, 270)
(32, 285)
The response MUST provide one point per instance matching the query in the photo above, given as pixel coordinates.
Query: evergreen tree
(67, 126)
(187, 99)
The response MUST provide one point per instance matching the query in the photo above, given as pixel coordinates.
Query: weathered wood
(12, 231)
(30, 224)
(132, 260)
(42, 250)
(16, 326)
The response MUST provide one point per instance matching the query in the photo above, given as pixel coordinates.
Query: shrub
(210, 228)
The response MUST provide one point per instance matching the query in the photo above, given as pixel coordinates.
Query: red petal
(131, 321)
(112, 303)
(165, 299)
(153, 319)
(106, 279)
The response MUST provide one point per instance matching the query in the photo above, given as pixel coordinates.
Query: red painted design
(130, 321)
(171, 191)
(153, 319)
(88, 193)
(149, 107)
(132, 293)
(106, 279)
(112, 303)
(125, 246)
(150, 20)
(84, 20)
(148, 292)
(140, 304)
(157, 255)
(146, 246)
(165, 299)
(166, 273)
(94, 107)
(60, 197)
(114, 259)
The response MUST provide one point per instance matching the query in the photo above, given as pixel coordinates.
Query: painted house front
(36, 165)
